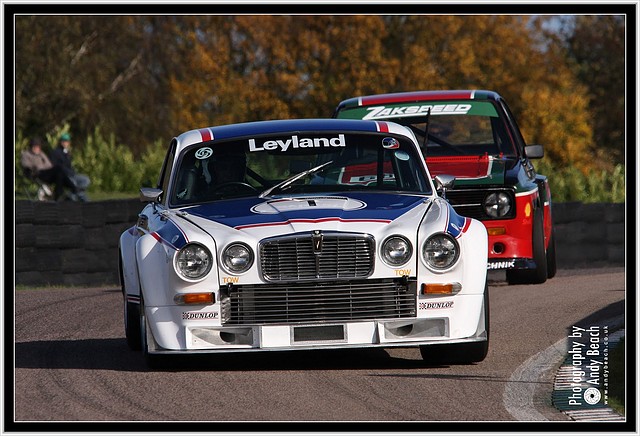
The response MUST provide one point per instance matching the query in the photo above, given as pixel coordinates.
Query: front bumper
(519, 263)
(459, 319)
(509, 244)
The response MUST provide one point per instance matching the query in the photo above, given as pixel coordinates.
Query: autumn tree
(143, 78)
(249, 68)
(507, 54)
(596, 44)
(89, 71)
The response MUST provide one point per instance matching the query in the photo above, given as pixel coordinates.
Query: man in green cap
(61, 157)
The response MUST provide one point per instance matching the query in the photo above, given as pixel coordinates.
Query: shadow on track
(113, 354)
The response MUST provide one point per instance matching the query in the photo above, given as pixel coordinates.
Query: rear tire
(460, 354)
(539, 274)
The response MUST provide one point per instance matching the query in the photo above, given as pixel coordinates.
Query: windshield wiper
(285, 183)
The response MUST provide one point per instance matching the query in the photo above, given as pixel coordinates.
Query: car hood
(470, 170)
(261, 217)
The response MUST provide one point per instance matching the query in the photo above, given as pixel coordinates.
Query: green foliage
(109, 166)
(150, 163)
(113, 167)
(617, 377)
(597, 186)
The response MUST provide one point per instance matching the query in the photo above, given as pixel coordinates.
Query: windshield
(301, 163)
(469, 128)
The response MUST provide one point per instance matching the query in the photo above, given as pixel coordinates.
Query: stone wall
(589, 234)
(76, 244)
(70, 243)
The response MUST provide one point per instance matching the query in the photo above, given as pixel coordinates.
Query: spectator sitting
(61, 157)
(36, 164)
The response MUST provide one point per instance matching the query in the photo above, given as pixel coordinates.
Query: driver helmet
(227, 167)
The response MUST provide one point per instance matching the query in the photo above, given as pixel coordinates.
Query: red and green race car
(473, 136)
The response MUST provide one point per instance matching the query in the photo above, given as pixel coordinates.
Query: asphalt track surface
(72, 365)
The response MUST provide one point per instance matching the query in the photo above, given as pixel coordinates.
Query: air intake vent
(319, 301)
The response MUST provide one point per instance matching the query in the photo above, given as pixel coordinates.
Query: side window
(513, 126)
(167, 167)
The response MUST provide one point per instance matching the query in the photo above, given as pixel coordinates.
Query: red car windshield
(467, 128)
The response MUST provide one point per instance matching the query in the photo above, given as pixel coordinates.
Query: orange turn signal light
(496, 231)
(440, 288)
(195, 298)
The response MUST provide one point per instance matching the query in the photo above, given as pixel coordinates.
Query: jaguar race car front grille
(318, 301)
(317, 256)
(470, 202)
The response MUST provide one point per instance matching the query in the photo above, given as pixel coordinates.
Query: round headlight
(193, 261)
(440, 251)
(396, 250)
(237, 258)
(497, 204)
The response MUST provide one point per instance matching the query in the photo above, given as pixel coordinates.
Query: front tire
(539, 274)
(154, 361)
(132, 325)
(131, 317)
(464, 353)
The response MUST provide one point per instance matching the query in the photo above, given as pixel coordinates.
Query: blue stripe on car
(237, 213)
(288, 126)
(172, 235)
(455, 223)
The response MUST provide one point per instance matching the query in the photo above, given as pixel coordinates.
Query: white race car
(303, 234)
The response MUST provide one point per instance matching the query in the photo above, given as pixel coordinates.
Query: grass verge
(617, 378)
(93, 196)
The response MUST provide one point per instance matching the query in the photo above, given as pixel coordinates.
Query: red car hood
(468, 167)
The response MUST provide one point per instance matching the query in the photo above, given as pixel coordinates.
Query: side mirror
(534, 151)
(444, 182)
(150, 195)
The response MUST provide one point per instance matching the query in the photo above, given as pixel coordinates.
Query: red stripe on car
(312, 221)
(416, 96)
(382, 126)
(206, 135)
(467, 223)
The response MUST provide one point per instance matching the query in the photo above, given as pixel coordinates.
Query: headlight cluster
(497, 204)
(396, 250)
(440, 251)
(193, 261)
